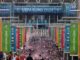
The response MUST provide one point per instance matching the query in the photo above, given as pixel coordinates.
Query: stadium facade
(45, 10)
(38, 14)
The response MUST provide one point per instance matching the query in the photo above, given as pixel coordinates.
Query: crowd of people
(38, 48)
(12, 56)
(44, 47)
(15, 56)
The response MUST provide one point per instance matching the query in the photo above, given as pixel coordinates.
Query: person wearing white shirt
(14, 57)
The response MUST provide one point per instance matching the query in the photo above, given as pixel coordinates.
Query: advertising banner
(74, 39)
(67, 39)
(52, 32)
(20, 37)
(38, 9)
(28, 32)
(3, 35)
(59, 37)
(6, 30)
(13, 38)
(9, 37)
(79, 40)
(17, 37)
(49, 31)
(23, 36)
(0, 35)
(62, 37)
(56, 35)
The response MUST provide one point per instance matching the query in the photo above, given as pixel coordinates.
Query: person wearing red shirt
(17, 57)
(22, 57)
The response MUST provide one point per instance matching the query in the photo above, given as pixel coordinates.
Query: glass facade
(38, 14)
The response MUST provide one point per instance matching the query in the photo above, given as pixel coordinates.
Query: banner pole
(67, 56)
(72, 57)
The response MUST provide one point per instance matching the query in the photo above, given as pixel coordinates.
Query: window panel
(44, 1)
(32, 0)
(55, 1)
(69, 0)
